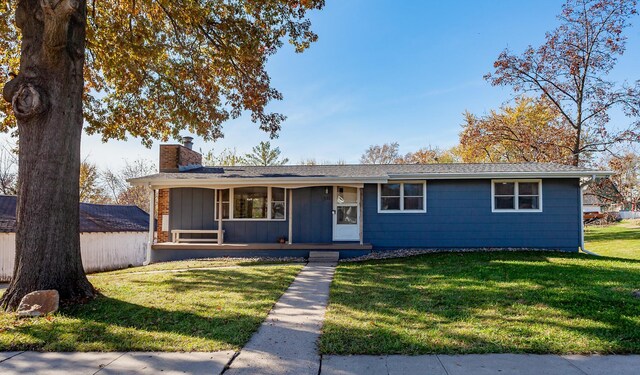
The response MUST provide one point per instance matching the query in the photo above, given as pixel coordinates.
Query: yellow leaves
(530, 131)
(156, 67)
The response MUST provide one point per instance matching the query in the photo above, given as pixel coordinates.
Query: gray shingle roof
(93, 217)
(361, 171)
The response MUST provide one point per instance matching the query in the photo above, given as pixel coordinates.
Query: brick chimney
(172, 159)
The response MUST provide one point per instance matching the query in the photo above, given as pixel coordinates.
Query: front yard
(195, 310)
(485, 302)
(621, 240)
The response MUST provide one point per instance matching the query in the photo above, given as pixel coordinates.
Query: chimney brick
(172, 157)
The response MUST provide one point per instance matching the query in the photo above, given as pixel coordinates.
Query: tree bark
(46, 97)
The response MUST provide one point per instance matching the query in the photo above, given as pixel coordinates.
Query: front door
(346, 213)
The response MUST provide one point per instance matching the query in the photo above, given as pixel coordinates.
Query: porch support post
(220, 232)
(152, 221)
(290, 216)
(361, 213)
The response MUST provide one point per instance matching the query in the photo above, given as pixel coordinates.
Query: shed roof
(93, 217)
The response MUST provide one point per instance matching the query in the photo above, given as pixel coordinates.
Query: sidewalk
(286, 343)
(482, 364)
(113, 363)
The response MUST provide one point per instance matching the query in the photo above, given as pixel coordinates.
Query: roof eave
(500, 175)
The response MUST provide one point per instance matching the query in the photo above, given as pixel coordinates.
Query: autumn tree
(264, 155)
(227, 157)
(91, 189)
(570, 71)
(431, 155)
(626, 180)
(530, 131)
(387, 153)
(147, 69)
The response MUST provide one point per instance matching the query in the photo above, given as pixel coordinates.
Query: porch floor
(260, 246)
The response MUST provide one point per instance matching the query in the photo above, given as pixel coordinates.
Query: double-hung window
(402, 197)
(516, 195)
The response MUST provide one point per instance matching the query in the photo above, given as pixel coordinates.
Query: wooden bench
(176, 235)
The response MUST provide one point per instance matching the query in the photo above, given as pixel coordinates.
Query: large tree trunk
(46, 97)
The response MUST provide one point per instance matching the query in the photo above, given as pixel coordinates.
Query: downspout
(582, 187)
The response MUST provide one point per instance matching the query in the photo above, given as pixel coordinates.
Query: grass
(195, 310)
(621, 240)
(533, 302)
(196, 263)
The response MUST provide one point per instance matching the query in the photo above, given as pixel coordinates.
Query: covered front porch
(258, 220)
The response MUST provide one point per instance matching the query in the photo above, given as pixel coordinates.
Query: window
(518, 195)
(277, 203)
(402, 197)
(252, 203)
(223, 196)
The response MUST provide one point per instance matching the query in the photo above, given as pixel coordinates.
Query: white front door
(346, 213)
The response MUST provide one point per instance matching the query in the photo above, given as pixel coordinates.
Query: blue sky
(386, 71)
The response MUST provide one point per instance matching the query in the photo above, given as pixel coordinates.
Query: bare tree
(570, 70)
(121, 191)
(385, 154)
(8, 170)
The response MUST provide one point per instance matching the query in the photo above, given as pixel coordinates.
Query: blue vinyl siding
(459, 215)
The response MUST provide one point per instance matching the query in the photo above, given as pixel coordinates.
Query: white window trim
(402, 210)
(516, 196)
(269, 204)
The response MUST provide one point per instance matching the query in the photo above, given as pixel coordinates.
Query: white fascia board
(500, 175)
(288, 182)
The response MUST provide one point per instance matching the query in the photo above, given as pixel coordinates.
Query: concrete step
(324, 256)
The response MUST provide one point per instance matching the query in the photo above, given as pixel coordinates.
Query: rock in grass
(636, 293)
(39, 303)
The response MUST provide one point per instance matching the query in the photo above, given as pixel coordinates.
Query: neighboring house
(241, 210)
(591, 204)
(111, 237)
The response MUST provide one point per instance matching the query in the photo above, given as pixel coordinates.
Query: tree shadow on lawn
(491, 302)
(166, 322)
(619, 234)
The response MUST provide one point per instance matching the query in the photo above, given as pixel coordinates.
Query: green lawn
(620, 240)
(196, 263)
(186, 311)
(485, 302)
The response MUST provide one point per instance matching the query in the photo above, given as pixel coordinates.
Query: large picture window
(252, 203)
(516, 195)
(402, 197)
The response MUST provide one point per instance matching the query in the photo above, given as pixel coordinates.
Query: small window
(278, 203)
(402, 197)
(511, 196)
(223, 197)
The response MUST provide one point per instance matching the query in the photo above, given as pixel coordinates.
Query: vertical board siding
(192, 208)
(312, 217)
(100, 251)
(459, 215)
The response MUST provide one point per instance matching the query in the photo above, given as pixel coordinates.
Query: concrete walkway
(482, 364)
(286, 343)
(113, 363)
